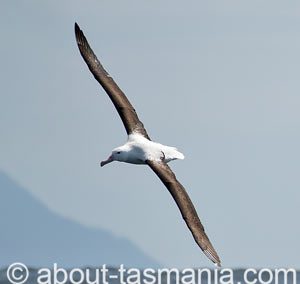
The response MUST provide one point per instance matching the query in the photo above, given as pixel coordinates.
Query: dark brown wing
(186, 208)
(121, 103)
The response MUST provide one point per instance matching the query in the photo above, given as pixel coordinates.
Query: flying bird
(140, 149)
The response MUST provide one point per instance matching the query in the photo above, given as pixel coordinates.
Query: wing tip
(213, 256)
(80, 38)
(77, 29)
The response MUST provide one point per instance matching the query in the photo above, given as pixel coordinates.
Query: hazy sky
(217, 79)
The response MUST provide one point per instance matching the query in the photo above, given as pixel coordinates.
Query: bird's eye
(118, 152)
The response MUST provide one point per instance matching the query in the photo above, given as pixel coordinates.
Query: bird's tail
(176, 154)
(179, 155)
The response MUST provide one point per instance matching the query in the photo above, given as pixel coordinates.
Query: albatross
(140, 149)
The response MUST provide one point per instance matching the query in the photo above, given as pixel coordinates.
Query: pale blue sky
(217, 79)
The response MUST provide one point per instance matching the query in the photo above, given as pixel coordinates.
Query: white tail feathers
(179, 155)
(172, 153)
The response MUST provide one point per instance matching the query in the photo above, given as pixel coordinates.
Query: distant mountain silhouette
(32, 234)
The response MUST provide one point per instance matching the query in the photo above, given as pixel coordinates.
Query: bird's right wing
(186, 208)
(125, 109)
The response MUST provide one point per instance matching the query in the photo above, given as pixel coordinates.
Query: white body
(142, 149)
(138, 149)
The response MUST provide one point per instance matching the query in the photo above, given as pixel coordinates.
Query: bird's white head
(118, 154)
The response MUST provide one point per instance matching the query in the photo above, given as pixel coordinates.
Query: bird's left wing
(186, 208)
(125, 109)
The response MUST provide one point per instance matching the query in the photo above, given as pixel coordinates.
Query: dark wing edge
(126, 111)
(186, 207)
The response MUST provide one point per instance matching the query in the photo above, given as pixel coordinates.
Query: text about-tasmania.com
(19, 273)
